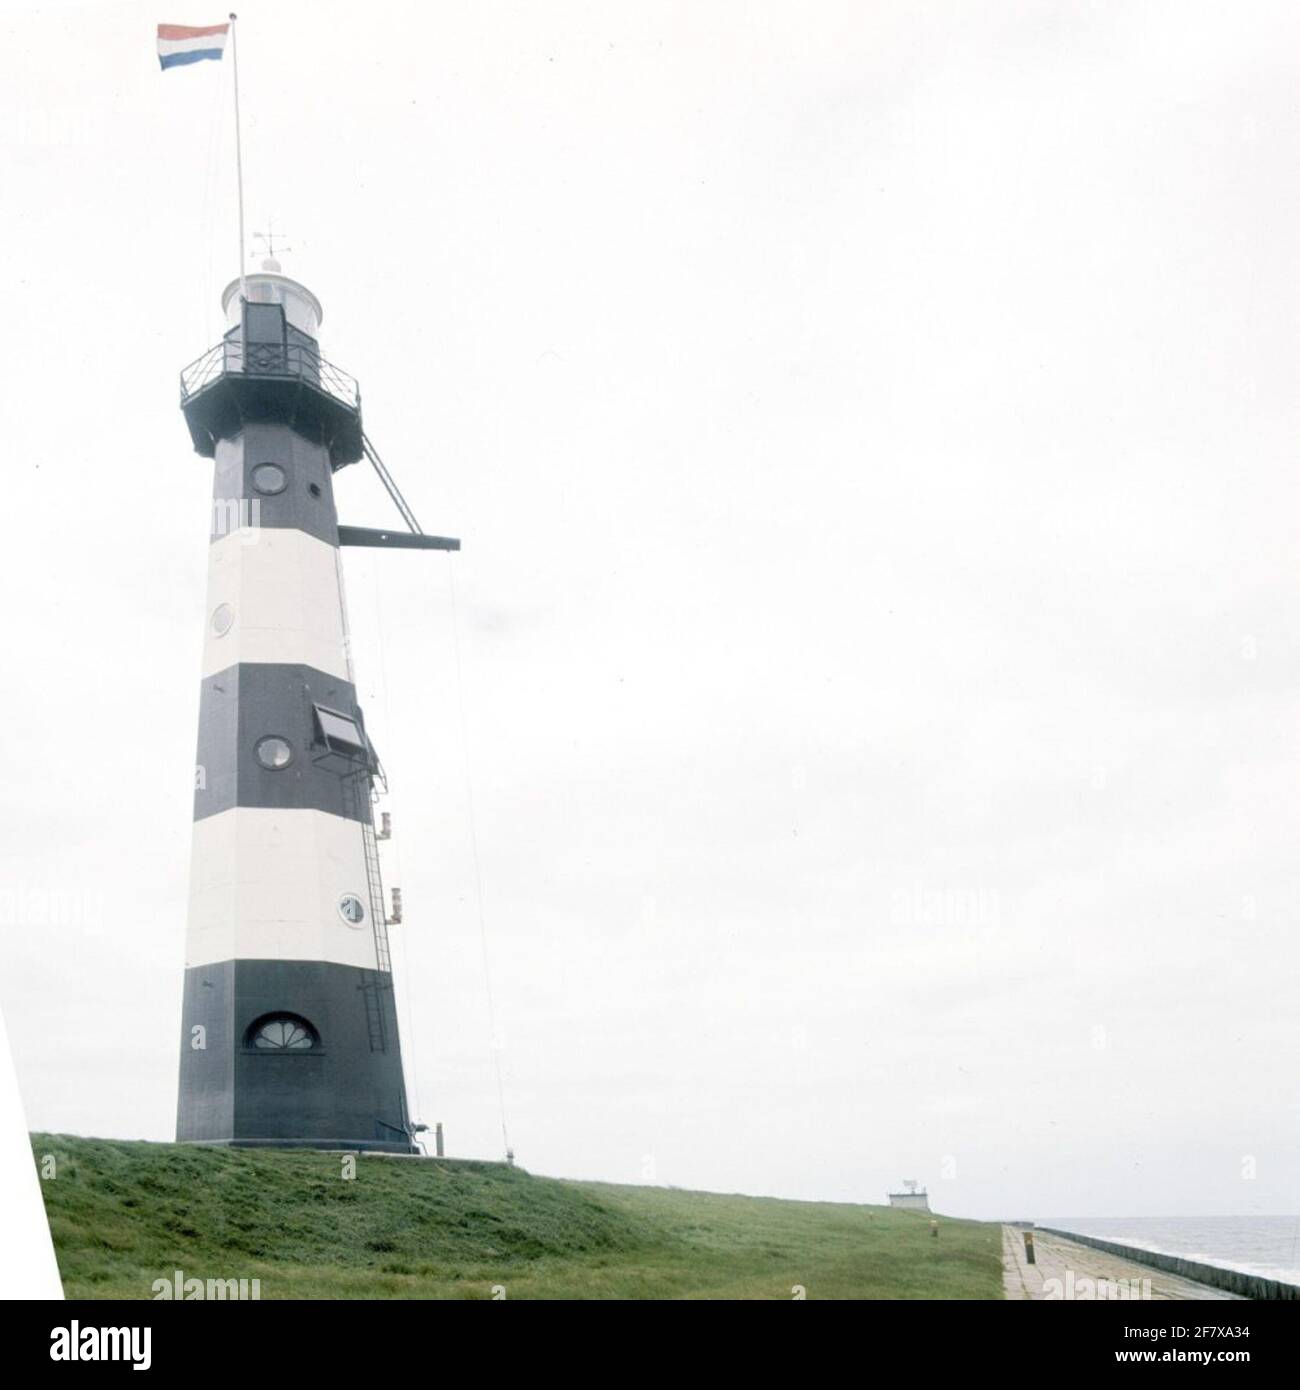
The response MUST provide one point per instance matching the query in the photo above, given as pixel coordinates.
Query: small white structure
(914, 1198)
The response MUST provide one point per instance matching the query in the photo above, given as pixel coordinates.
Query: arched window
(282, 1033)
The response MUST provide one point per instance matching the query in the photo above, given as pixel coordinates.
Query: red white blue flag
(183, 43)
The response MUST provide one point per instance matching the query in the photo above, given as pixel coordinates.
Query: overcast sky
(872, 430)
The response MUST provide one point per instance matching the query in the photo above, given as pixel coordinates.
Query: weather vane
(268, 239)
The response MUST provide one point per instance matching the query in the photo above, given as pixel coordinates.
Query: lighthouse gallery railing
(293, 361)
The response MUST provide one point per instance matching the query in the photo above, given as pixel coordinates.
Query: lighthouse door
(265, 347)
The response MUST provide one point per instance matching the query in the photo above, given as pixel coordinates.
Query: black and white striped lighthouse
(289, 1030)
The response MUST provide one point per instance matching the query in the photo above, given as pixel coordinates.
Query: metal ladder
(359, 794)
(374, 1006)
(375, 882)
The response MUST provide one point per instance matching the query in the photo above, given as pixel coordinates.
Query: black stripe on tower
(255, 701)
(288, 1053)
(299, 497)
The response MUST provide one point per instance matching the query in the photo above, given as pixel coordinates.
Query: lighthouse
(289, 1029)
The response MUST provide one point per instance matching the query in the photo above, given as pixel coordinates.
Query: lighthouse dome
(268, 286)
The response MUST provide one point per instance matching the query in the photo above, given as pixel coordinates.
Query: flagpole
(239, 160)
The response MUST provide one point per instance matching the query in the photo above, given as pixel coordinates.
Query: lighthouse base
(291, 1054)
(364, 1146)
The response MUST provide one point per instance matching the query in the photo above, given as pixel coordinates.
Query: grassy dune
(125, 1214)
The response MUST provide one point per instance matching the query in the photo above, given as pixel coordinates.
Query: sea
(1264, 1245)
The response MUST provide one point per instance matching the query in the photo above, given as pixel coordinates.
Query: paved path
(1058, 1258)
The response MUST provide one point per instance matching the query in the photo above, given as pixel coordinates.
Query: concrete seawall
(1234, 1281)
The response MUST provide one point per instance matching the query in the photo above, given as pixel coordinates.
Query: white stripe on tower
(274, 596)
(267, 884)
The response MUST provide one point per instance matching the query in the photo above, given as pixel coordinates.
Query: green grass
(124, 1214)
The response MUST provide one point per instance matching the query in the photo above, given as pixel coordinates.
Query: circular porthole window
(351, 909)
(274, 752)
(282, 1033)
(269, 478)
(223, 619)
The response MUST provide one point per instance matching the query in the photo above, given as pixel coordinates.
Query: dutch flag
(184, 43)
